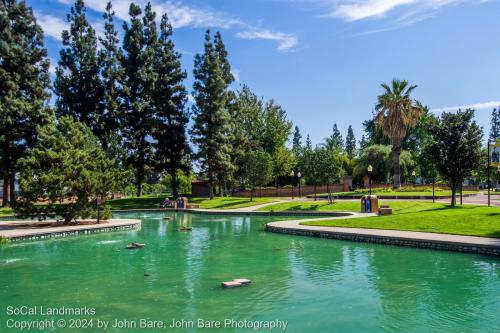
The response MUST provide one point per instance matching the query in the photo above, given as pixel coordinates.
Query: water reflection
(317, 285)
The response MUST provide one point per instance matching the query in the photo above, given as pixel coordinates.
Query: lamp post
(298, 177)
(433, 186)
(488, 172)
(414, 174)
(292, 174)
(370, 170)
(97, 206)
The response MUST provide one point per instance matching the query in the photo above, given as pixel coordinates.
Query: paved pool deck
(470, 244)
(14, 231)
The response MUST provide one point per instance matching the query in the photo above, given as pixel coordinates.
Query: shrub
(104, 214)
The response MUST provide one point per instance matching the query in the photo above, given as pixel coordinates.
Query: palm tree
(396, 113)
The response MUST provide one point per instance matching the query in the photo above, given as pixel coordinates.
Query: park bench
(385, 210)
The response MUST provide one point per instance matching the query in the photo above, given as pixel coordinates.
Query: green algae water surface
(92, 284)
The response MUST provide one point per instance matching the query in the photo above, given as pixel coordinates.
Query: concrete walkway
(17, 230)
(448, 242)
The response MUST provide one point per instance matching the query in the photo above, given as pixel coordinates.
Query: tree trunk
(396, 152)
(6, 190)
(174, 185)
(12, 190)
(453, 193)
(210, 185)
(139, 187)
(71, 214)
(251, 194)
(328, 191)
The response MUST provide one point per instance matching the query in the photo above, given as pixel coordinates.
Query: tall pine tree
(108, 122)
(212, 120)
(169, 97)
(495, 125)
(24, 86)
(337, 137)
(77, 84)
(297, 141)
(139, 46)
(308, 142)
(350, 142)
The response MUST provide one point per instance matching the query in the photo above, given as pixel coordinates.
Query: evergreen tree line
(131, 95)
(374, 148)
(132, 99)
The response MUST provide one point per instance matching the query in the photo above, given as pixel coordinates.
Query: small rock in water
(231, 284)
(242, 281)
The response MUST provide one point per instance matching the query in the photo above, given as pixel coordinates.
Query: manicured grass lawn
(319, 205)
(399, 193)
(428, 217)
(6, 211)
(154, 201)
(229, 202)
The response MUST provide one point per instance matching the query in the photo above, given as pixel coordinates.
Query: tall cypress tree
(77, 84)
(212, 121)
(337, 137)
(495, 125)
(350, 142)
(226, 167)
(308, 142)
(138, 45)
(24, 86)
(108, 121)
(297, 141)
(169, 97)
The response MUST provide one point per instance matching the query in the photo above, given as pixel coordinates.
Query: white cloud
(52, 26)
(182, 15)
(185, 16)
(358, 10)
(399, 12)
(236, 74)
(286, 42)
(477, 106)
(52, 67)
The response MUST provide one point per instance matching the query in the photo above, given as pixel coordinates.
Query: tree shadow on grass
(494, 234)
(408, 210)
(228, 204)
(303, 208)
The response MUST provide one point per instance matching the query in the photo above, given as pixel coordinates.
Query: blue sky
(323, 60)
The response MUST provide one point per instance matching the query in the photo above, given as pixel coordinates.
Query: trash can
(369, 204)
(373, 204)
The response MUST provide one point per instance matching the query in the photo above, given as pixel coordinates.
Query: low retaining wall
(38, 234)
(239, 213)
(387, 240)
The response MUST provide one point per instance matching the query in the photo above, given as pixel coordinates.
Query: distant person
(165, 203)
(495, 156)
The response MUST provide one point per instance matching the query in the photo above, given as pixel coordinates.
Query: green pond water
(315, 285)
